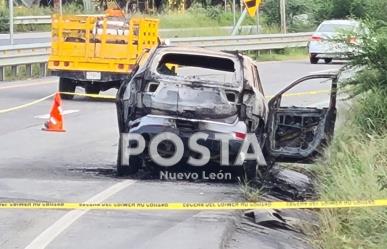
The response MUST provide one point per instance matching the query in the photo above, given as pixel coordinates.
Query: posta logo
(138, 145)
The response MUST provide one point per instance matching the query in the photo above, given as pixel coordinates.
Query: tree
(271, 9)
(340, 9)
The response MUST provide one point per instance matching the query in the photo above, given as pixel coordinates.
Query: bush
(370, 81)
(355, 167)
(272, 16)
(371, 113)
(340, 9)
(4, 20)
(373, 50)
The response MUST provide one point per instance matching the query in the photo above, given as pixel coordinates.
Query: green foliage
(280, 54)
(272, 16)
(271, 10)
(4, 18)
(34, 10)
(355, 169)
(369, 82)
(251, 194)
(214, 12)
(370, 62)
(340, 9)
(320, 10)
(197, 16)
(371, 110)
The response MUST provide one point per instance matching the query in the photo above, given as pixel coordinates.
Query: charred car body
(188, 90)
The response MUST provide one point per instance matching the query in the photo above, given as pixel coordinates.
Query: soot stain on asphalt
(178, 173)
(280, 183)
(108, 172)
(184, 173)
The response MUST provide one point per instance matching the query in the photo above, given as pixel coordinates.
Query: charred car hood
(191, 99)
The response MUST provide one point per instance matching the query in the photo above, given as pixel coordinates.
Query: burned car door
(126, 101)
(127, 94)
(254, 108)
(299, 133)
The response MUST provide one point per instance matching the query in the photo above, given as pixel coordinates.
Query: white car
(330, 41)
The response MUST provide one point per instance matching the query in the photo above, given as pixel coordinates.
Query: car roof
(196, 50)
(340, 22)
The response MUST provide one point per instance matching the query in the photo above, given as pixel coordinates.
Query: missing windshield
(197, 67)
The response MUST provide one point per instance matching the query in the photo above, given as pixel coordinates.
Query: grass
(199, 17)
(250, 193)
(355, 169)
(194, 17)
(280, 54)
(21, 72)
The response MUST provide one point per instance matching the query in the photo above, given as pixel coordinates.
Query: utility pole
(11, 21)
(257, 20)
(233, 12)
(239, 23)
(283, 16)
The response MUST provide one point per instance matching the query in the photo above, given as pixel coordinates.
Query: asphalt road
(78, 166)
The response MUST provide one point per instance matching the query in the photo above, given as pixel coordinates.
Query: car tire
(67, 85)
(92, 89)
(250, 170)
(132, 168)
(313, 59)
(328, 60)
(134, 164)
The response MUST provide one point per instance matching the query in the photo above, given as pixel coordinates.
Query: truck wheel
(67, 85)
(134, 164)
(328, 60)
(313, 59)
(92, 89)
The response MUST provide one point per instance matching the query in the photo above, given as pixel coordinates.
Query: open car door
(299, 133)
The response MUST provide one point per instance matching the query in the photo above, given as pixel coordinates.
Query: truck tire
(66, 85)
(328, 60)
(92, 89)
(135, 163)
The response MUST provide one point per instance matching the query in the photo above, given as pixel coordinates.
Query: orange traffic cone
(55, 122)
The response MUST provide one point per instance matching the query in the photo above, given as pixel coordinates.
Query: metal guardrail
(25, 54)
(28, 54)
(20, 20)
(246, 42)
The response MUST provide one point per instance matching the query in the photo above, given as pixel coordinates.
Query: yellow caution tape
(315, 92)
(26, 105)
(307, 93)
(98, 96)
(196, 206)
(101, 96)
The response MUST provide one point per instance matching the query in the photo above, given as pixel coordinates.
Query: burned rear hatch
(193, 86)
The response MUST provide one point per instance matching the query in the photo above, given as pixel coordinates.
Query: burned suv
(181, 91)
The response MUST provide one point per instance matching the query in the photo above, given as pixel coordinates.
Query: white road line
(48, 235)
(46, 116)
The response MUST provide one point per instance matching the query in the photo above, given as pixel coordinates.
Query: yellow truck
(98, 52)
